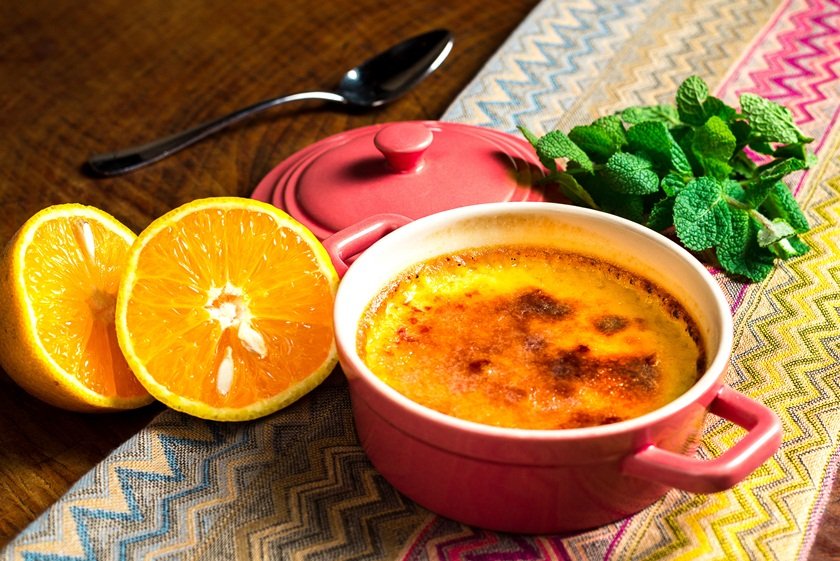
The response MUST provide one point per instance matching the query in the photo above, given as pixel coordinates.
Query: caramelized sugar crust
(531, 337)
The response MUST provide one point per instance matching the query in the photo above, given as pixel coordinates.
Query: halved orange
(59, 277)
(225, 309)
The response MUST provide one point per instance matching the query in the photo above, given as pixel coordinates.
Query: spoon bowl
(377, 81)
(394, 72)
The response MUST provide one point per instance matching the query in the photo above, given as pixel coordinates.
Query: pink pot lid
(413, 168)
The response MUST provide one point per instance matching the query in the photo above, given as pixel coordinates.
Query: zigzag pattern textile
(297, 485)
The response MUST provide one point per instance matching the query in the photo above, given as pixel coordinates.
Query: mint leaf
(686, 142)
(774, 231)
(761, 146)
(654, 140)
(739, 252)
(701, 214)
(771, 122)
(713, 145)
(755, 192)
(661, 215)
(529, 136)
(742, 132)
(556, 145)
(612, 125)
(595, 141)
(663, 113)
(766, 177)
(714, 107)
(631, 175)
(777, 169)
(789, 247)
(690, 165)
(799, 246)
(780, 203)
(742, 165)
(671, 184)
(611, 201)
(573, 191)
(691, 95)
(549, 163)
(717, 168)
(797, 150)
(713, 141)
(630, 207)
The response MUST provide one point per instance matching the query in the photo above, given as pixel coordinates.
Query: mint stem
(754, 213)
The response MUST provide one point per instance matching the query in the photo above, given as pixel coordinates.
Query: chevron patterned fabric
(297, 485)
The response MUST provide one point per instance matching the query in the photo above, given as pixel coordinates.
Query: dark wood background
(83, 78)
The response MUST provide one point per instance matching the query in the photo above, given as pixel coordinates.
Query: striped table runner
(297, 485)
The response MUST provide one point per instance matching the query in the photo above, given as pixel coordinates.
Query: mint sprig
(710, 172)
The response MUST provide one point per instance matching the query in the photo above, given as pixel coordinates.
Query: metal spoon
(375, 82)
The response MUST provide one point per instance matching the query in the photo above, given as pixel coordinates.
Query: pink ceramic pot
(539, 481)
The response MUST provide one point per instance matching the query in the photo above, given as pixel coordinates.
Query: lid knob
(403, 145)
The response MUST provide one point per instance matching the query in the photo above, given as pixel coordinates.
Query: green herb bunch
(688, 168)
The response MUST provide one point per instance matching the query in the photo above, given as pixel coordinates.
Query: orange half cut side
(59, 277)
(225, 310)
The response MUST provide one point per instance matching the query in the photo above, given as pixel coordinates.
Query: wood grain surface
(78, 79)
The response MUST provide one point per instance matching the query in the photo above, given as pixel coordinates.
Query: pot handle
(347, 244)
(764, 435)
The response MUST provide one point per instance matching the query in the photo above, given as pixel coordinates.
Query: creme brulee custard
(530, 337)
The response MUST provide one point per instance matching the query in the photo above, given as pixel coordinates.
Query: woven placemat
(297, 485)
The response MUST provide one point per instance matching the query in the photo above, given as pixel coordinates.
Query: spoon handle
(129, 159)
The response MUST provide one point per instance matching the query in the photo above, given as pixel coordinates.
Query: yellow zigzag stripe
(645, 68)
(682, 525)
(780, 332)
(676, 44)
(512, 59)
(586, 90)
(587, 87)
(795, 344)
(672, 47)
(790, 316)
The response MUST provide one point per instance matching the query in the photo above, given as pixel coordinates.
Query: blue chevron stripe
(565, 59)
(137, 511)
(592, 33)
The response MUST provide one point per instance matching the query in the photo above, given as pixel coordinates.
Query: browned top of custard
(530, 337)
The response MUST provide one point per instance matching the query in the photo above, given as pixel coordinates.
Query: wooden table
(78, 80)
